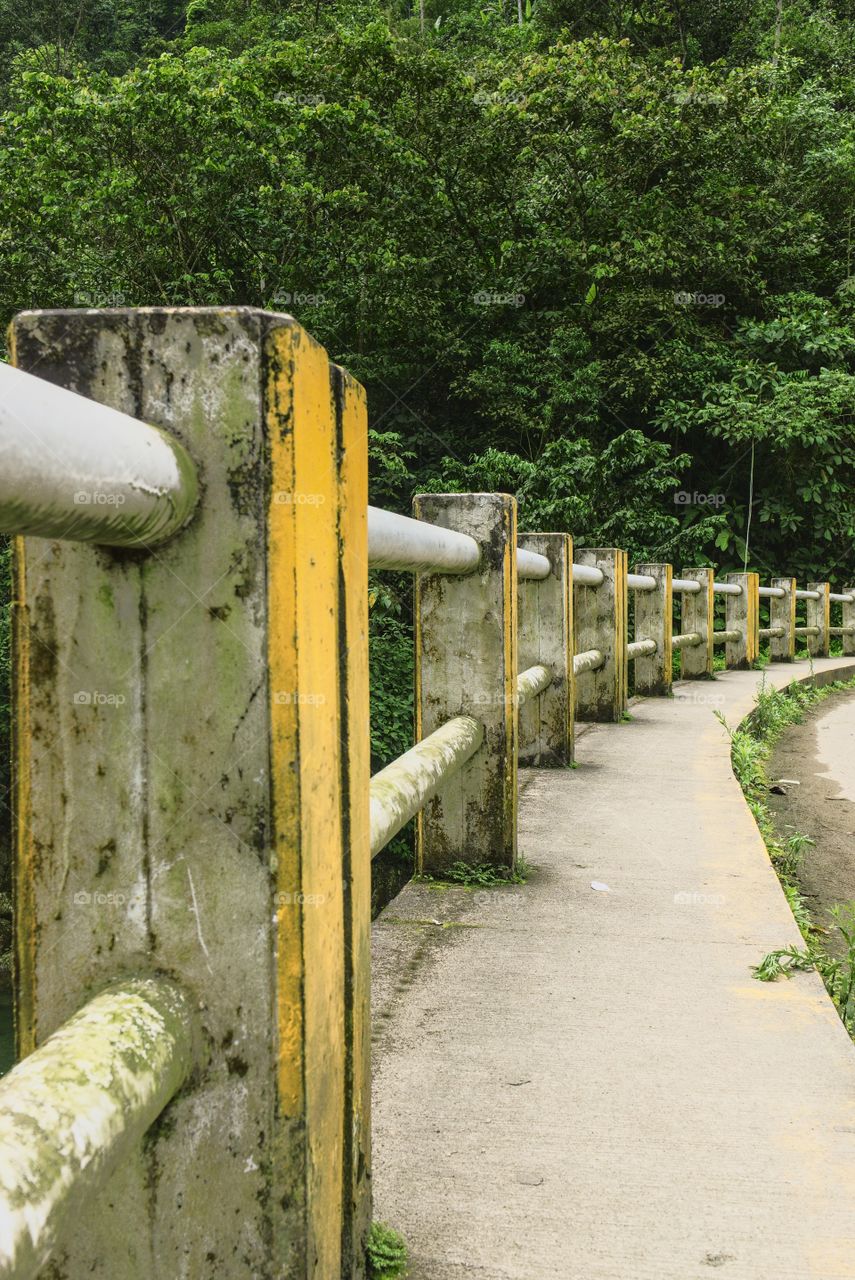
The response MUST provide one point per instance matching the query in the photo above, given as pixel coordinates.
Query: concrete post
(654, 617)
(742, 614)
(546, 638)
(599, 617)
(192, 781)
(848, 620)
(819, 615)
(697, 614)
(782, 613)
(466, 664)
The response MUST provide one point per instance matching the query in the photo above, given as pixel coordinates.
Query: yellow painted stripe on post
(352, 417)
(303, 605)
(509, 612)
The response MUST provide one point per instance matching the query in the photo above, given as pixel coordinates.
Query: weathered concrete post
(819, 615)
(697, 614)
(848, 621)
(654, 617)
(782, 613)
(546, 638)
(599, 618)
(466, 664)
(192, 791)
(742, 614)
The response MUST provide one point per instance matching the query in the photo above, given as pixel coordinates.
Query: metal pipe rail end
(837, 598)
(686, 640)
(639, 649)
(772, 593)
(531, 683)
(74, 469)
(727, 589)
(587, 575)
(414, 546)
(640, 582)
(590, 660)
(404, 787)
(806, 595)
(532, 565)
(725, 637)
(79, 1104)
(689, 586)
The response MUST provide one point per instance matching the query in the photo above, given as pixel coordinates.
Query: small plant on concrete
(783, 962)
(387, 1253)
(484, 875)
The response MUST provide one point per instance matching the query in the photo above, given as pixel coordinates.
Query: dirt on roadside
(816, 808)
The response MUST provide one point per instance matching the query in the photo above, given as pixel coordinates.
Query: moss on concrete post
(819, 615)
(848, 622)
(654, 617)
(192, 790)
(782, 613)
(466, 664)
(80, 1104)
(599, 618)
(697, 613)
(546, 638)
(742, 614)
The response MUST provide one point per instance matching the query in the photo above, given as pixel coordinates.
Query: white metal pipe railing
(590, 660)
(837, 597)
(532, 565)
(687, 585)
(772, 593)
(74, 469)
(640, 648)
(640, 582)
(806, 595)
(842, 631)
(414, 546)
(79, 1104)
(722, 637)
(532, 682)
(587, 575)
(686, 640)
(769, 633)
(727, 589)
(404, 787)
(806, 631)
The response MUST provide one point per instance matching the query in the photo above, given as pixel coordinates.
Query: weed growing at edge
(750, 748)
(387, 1253)
(481, 876)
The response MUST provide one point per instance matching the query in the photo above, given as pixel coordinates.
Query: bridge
(575, 1076)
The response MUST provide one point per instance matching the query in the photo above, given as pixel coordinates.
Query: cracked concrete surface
(588, 1084)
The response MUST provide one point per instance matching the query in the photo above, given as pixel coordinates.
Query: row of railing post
(193, 809)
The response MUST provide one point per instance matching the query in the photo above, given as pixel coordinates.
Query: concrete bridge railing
(195, 819)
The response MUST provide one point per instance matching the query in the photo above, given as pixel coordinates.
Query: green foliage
(484, 875)
(387, 1253)
(750, 747)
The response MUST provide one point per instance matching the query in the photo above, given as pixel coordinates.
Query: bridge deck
(590, 1085)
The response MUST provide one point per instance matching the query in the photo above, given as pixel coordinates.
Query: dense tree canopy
(596, 254)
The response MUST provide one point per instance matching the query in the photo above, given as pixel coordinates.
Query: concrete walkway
(589, 1084)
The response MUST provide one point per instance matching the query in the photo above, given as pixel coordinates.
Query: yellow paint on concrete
(353, 548)
(303, 609)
